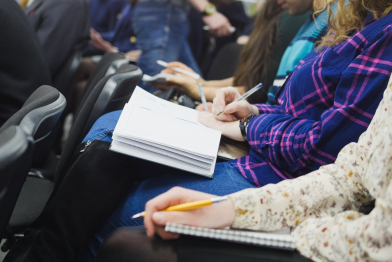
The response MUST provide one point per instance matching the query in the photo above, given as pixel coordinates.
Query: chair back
(16, 154)
(63, 80)
(225, 62)
(108, 65)
(37, 118)
(110, 94)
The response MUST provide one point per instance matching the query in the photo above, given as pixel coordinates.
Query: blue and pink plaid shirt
(327, 102)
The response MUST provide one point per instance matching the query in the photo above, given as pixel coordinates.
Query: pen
(202, 96)
(245, 96)
(188, 206)
(180, 70)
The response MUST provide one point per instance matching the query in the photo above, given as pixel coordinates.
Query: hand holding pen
(212, 216)
(230, 106)
(193, 75)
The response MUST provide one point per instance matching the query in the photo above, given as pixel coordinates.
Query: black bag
(174, 96)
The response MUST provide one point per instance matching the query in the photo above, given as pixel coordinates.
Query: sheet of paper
(164, 151)
(160, 159)
(142, 98)
(145, 124)
(167, 149)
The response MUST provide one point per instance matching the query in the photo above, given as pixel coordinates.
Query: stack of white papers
(156, 130)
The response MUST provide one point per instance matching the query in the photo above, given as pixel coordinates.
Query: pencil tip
(137, 216)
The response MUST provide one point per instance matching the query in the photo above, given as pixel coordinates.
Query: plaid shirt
(327, 102)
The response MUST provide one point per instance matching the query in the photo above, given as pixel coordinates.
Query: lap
(132, 244)
(226, 180)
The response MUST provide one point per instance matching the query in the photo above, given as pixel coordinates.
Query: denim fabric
(226, 180)
(161, 30)
(103, 127)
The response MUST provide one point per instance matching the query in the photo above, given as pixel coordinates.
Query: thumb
(232, 108)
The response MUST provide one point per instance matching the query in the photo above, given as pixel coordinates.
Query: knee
(116, 245)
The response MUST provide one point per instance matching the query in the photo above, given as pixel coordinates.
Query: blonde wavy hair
(349, 16)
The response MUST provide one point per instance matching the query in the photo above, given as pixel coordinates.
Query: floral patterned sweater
(322, 206)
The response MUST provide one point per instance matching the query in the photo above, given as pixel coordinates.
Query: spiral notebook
(277, 239)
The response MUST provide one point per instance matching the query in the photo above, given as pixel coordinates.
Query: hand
(201, 107)
(169, 70)
(218, 23)
(243, 40)
(100, 43)
(184, 83)
(215, 216)
(229, 129)
(232, 111)
(133, 55)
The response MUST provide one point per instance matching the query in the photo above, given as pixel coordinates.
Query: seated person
(323, 209)
(255, 63)
(120, 37)
(61, 27)
(305, 131)
(323, 106)
(105, 13)
(22, 63)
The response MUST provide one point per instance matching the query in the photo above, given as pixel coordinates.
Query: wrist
(193, 92)
(208, 10)
(255, 110)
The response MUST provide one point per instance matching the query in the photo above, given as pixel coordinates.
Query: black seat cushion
(43, 96)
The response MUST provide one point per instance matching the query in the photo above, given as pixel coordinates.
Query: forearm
(199, 5)
(219, 83)
(288, 203)
(330, 190)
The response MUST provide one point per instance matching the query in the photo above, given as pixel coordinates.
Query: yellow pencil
(188, 206)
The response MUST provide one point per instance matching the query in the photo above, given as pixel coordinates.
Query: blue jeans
(161, 30)
(226, 180)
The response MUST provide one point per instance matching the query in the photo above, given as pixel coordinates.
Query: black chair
(63, 80)
(225, 63)
(16, 155)
(108, 65)
(36, 120)
(110, 94)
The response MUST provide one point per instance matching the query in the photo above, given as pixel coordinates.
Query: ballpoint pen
(180, 70)
(244, 96)
(202, 96)
(188, 206)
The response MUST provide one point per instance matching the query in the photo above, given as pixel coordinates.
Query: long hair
(349, 17)
(255, 57)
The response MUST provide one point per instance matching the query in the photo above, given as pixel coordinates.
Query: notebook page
(144, 99)
(276, 240)
(160, 159)
(168, 149)
(142, 123)
(165, 152)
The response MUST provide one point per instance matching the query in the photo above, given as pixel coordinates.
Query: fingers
(180, 65)
(160, 230)
(200, 108)
(174, 196)
(223, 97)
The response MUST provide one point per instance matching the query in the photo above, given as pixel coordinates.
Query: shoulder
(374, 38)
(65, 4)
